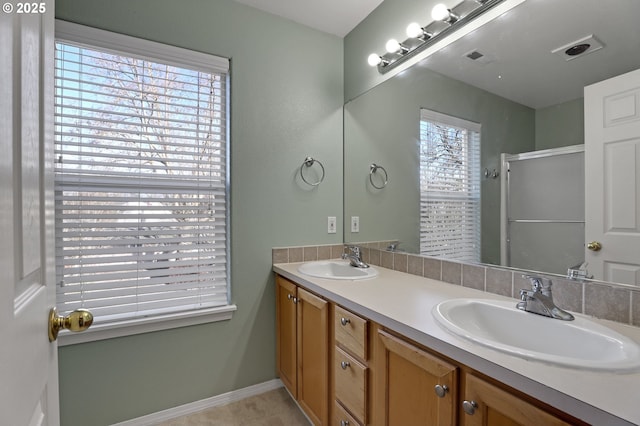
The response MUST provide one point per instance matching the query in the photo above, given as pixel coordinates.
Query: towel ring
(309, 162)
(374, 169)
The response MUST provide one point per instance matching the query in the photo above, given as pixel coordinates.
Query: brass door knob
(78, 320)
(594, 246)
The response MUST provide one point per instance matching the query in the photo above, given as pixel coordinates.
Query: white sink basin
(500, 325)
(336, 270)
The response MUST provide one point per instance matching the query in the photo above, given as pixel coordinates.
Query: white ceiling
(337, 17)
(519, 63)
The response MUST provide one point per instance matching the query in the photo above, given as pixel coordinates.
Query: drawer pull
(345, 365)
(344, 422)
(469, 407)
(441, 390)
(344, 321)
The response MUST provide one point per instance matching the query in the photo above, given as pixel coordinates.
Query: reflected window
(449, 187)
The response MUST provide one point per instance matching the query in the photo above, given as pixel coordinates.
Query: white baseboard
(204, 404)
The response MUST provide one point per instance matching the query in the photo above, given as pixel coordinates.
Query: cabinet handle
(344, 422)
(295, 300)
(441, 390)
(345, 364)
(345, 321)
(469, 407)
(289, 296)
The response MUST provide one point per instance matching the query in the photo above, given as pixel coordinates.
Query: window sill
(147, 325)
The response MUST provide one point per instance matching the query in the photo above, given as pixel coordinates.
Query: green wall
(287, 95)
(560, 125)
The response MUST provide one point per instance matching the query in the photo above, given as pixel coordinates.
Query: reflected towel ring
(309, 162)
(374, 169)
(489, 174)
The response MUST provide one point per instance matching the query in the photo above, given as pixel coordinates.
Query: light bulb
(374, 59)
(414, 30)
(440, 12)
(393, 46)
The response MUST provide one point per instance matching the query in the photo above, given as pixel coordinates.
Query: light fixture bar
(414, 45)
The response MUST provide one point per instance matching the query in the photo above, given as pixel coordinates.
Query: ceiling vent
(479, 57)
(579, 48)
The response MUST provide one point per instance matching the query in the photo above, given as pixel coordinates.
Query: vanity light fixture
(420, 37)
(375, 59)
(393, 46)
(414, 30)
(441, 12)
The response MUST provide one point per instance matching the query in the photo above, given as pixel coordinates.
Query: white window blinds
(449, 187)
(140, 181)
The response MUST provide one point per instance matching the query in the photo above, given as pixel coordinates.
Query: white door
(612, 178)
(28, 361)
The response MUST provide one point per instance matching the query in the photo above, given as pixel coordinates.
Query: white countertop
(403, 302)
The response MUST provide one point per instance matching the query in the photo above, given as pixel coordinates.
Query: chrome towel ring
(374, 169)
(308, 162)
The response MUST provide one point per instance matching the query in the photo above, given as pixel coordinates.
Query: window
(140, 177)
(449, 187)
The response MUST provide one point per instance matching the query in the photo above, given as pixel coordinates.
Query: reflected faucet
(578, 271)
(393, 246)
(355, 257)
(539, 300)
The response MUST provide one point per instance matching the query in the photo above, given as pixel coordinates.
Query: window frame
(473, 178)
(158, 52)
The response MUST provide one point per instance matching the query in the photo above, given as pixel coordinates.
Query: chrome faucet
(355, 257)
(539, 300)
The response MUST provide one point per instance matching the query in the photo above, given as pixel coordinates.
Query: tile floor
(273, 408)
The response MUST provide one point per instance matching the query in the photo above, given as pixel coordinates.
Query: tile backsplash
(613, 302)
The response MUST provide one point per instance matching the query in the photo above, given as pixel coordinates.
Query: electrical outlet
(331, 225)
(355, 223)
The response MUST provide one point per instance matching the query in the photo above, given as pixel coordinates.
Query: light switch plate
(355, 223)
(331, 225)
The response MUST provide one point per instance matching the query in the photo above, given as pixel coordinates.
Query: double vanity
(360, 346)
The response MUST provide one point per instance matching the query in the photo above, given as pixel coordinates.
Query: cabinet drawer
(342, 417)
(351, 384)
(351, 332)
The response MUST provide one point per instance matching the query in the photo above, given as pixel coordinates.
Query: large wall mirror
(514, 78)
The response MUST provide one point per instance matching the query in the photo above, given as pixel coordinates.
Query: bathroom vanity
(369, 352)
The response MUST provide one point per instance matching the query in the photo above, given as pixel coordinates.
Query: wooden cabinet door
(313, 356)
(493, 406)
(286, 353)
(406, 383)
